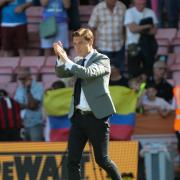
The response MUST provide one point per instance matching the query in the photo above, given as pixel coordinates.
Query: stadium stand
(176, 76)
(34, 62)
(48, 65)
(165, 37)
(34, 18)
(10, 88)
(9, 62)
(48, 79)
(34, 15)
(176, 43)
(7, 68)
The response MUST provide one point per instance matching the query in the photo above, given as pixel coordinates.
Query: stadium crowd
(125, 31)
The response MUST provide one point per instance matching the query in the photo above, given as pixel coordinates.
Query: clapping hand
(60, 52)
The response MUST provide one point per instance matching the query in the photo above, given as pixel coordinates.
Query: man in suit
(91, 103)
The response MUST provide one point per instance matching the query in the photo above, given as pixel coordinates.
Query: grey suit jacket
(95, 84)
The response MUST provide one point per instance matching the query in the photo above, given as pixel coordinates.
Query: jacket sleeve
(62, 72)
(99, 67)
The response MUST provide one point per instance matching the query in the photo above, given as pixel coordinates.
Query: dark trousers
(142, 63)
(117, 58)
(84, 128)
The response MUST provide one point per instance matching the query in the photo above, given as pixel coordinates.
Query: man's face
(159, 72)
(151, 93)
(81, 46)
(25, 80)
(111, 3)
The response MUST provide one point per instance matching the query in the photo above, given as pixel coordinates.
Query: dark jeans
(173, 9)
(84, 128)
(142, 63)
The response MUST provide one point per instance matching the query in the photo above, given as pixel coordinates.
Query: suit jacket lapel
(92, 58)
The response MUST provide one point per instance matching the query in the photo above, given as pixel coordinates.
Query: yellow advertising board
(48, 160)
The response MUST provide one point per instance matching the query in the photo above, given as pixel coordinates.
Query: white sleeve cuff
(69, 64)
(59, 62)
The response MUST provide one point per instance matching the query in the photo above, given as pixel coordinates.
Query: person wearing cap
(164, 89)
(29, 94)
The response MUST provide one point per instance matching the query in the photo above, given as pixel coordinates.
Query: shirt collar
(88, 56)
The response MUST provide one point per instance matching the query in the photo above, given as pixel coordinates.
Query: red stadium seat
(176, 77)
(34, 17)
(34, 14)
(49, 66)
(171, 60)
(162, 50)
(177, 59)
(175, 67)
(176, 42)
(9, 62)
(50, 61)
(34, 62)
(4, 78)
(176, 49)
(166, 34)
(48, 79)
(85, 12)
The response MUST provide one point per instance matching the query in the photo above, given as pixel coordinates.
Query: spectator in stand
(57, 8)
(10, 121)
(116, 78)
(155, 105)
(141, 45)
(30, 95)
(173, 12)
(73, 15)
(14, 26)
(106, 22)
(164, 89)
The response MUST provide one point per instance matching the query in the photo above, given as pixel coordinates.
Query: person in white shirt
(153, 104)
(143, 56)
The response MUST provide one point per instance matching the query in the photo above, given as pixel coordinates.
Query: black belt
(83, 112)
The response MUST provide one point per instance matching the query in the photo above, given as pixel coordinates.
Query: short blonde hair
(159, 64)
(85, 33)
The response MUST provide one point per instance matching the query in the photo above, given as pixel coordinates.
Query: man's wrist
(69, 64)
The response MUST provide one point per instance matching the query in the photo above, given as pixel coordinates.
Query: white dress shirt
(83, 104)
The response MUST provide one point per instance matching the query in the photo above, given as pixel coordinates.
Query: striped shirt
(109, 26)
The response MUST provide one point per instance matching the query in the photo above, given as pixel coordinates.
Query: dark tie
(77, 88)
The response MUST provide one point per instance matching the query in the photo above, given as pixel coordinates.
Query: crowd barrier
(46, 161)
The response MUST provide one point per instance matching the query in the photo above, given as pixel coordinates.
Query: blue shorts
(62, 35)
